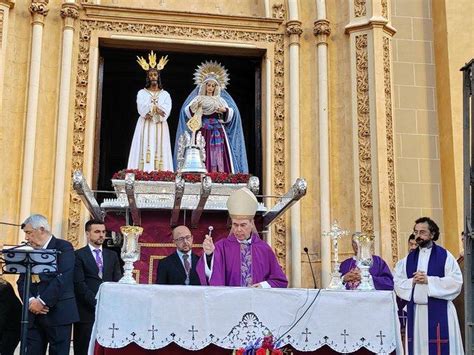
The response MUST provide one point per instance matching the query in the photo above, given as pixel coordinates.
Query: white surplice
(151, 146)
(446, 288)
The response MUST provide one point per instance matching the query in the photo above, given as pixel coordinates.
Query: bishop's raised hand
(208, 245)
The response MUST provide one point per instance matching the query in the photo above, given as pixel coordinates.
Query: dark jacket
(56, 289)
(171, 271)
(10, 316)
(87, 280)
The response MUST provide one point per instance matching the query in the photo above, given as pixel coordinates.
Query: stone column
(294, 31)
(5, 6)
(322, 31)
(38, 10)
(69, 12)
(370, 37)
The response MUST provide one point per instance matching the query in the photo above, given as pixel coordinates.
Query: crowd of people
(426, 281)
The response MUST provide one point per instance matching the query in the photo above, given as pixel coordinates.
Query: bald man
(179, 268)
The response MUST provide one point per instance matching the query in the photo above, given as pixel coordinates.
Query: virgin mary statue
(221, 123)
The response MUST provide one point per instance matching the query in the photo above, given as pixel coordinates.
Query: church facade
(362, 98)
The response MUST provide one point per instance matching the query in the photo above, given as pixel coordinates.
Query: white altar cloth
(153, 316)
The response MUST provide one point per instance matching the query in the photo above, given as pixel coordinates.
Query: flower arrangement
(216, 177)
(261, 346)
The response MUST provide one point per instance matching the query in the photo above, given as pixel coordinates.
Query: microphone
(22, 246)
(311, 267)
(11, 224)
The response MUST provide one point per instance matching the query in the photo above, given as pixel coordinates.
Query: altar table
(199, 317)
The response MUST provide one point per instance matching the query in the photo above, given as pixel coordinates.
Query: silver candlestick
(335, 233)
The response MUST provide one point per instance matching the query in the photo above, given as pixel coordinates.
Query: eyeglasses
(423, 233)
(187, 238)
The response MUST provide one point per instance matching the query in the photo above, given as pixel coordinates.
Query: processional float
(135, 196)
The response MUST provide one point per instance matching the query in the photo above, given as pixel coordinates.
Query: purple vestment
(381, 275)
(226, 270)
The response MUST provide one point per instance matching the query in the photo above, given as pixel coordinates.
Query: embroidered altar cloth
(193, 317)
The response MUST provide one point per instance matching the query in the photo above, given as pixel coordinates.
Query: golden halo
(211, 70)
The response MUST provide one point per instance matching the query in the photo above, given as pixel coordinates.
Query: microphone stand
(311, 267)
(18, 264)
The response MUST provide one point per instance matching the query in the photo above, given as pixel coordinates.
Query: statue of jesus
(151, 146)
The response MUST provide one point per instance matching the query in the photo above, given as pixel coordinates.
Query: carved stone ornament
(321, 27)
(360, 8)
(69, 10)
(276, 39)
(293, 27)
(1, 27)
(363, 124)
(384, 8)
(278, 11)
(390, 150)
(39, 7)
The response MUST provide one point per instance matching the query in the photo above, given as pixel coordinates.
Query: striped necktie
(98, 261)
(187, 267)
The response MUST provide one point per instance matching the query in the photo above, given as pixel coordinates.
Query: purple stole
(245, 265)
(437, 308)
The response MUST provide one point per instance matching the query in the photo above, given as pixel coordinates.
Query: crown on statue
(151, 63)
(211, 70)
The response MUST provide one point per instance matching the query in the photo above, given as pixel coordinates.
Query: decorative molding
(39, 7)
(360, 8)
(278, 11)
(384, 8)
(69, 10)
(86, 29)
(293, 27)
(390, 150)
(179, 18)
(2, 14)
(9, 3)
(279, 176)
(366, 24)
(74, 228)
(363, 124)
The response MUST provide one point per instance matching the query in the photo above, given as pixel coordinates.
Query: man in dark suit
(94, 265)
(51, 303)
(10, 316)
(179, 268)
